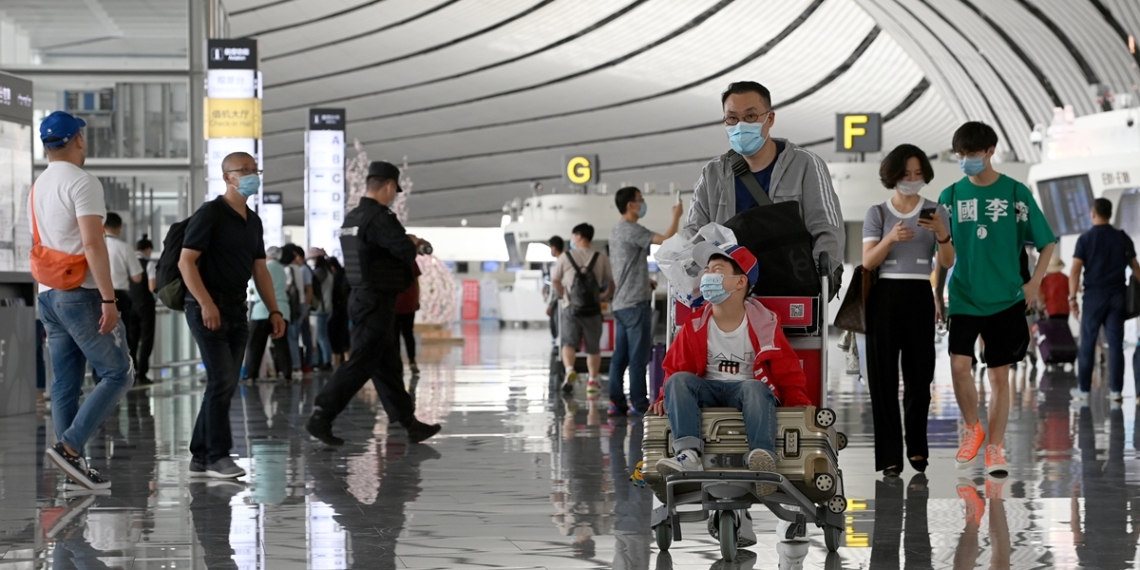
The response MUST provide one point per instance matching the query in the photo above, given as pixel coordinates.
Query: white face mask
(909, 187)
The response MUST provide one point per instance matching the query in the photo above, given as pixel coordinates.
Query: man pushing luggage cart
(741, 427)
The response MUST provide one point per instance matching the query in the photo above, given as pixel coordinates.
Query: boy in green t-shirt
(992, 217)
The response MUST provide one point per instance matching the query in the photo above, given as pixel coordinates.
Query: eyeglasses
(246, 171)
(749, 118)
(971, 155)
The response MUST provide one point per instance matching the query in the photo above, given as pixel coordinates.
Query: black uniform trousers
(259, 333)
(140, 336)
(375, 355)
(900, 320)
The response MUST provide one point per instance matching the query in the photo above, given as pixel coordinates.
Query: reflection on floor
(521, 478)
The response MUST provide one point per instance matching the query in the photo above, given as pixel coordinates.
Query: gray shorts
(576, 329)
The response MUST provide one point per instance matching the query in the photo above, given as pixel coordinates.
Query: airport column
(232, 108)
(324, 179)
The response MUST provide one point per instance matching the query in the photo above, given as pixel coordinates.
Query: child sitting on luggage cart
(732, 353)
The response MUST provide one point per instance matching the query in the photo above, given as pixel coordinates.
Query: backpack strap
(577, 268)
(744, 175)
(593, 260)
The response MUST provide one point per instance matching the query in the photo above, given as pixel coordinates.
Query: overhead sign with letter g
(858, 132)
(580, 169)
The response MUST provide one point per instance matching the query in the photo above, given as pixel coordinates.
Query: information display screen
(15, 182)
(1067, 203)
(324, 179)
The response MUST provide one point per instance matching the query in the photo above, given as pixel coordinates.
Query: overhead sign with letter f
(858, 132)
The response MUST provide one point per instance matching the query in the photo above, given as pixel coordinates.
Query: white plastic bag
(675, 259)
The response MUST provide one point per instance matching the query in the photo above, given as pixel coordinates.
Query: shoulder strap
(745, 176)
(577, 268)
(35, 226)
(593, 260)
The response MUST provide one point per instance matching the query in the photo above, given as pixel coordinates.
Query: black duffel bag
(776, 235)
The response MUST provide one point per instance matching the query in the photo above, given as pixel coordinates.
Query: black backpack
(168, 278)
(586, 295)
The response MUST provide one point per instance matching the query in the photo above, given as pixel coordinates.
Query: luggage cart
(809, 479)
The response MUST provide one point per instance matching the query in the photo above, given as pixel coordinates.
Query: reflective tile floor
(521, 478)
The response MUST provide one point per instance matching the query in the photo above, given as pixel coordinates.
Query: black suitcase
(1055, 342)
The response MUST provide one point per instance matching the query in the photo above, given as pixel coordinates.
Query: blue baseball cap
(59, 127)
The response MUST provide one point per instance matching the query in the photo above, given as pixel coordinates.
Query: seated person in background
(731, 353)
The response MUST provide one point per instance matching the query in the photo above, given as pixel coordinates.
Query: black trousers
(406, 325)
(375, 355)
(900, 322)
(140, 336)
(259, 333)
(222, 353)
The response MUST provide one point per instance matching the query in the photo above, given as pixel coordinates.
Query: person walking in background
(338, 320)
(140, 329)
(261, 327)
(581, 316)
(300, 289)
(1055, 289)
(407, 303)
(322, 305)
(633, 315)
(992, 218)
(1103, 253)
(77, 307)
(900, 239)
(125, 270)
(221, 250)
(557, 246)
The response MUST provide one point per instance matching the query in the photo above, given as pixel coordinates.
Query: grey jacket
(799, 175)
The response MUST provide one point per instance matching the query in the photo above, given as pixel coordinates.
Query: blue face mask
(642, 211)
(972, 165)
(712, 288)
(571, 244)
(746, 138)
(248, 185)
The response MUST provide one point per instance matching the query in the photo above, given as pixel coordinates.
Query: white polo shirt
(124, 263)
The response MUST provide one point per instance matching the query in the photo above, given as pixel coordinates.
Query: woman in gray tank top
(901, 238)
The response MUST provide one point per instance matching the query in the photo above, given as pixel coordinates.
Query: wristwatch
(110, 301)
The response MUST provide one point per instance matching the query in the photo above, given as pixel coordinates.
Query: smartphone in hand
(926, 213)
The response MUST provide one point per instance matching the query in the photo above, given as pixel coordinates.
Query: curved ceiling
(485, 96)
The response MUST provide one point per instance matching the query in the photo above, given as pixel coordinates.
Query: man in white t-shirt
(83, 322)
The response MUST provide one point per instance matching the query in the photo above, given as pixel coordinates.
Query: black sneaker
(197, 468)
(419, 431)
(224, 468)
(321, 428)
(76, 468)
(72, 486)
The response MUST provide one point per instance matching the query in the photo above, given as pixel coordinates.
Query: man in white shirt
(82, 322)
(125, 269)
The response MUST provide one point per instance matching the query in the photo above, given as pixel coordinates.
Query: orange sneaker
(995, 461)
(971, 442)
(975, 506)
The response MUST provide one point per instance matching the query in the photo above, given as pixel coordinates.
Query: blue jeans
(222, 351)
(325, 356)
(72, 322)
(1102, 309)
(632, 345)
(686, 394)
(298, 332)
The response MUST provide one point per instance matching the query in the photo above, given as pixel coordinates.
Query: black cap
(385, 171)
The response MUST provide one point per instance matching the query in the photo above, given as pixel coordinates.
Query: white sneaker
(593, 385)
(687, 460)
(1116, 397)
(568, 385)
(762, 460)
(1078, 394)
(782, 527)
(792, 554)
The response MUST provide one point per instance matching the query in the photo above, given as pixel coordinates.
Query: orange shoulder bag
(51, 267)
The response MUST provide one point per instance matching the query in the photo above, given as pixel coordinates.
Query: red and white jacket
(777, 364)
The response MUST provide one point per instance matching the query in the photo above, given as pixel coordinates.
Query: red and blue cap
(59, 127)
(737, 253)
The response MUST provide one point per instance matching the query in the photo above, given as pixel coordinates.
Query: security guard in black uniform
(378, 254)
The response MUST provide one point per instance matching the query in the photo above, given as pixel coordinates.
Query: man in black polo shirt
(221, 249)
